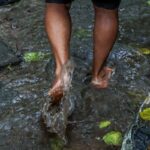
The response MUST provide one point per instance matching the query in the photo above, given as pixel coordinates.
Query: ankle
(94, 78)
(58, 72)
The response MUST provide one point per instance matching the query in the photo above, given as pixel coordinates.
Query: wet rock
(7, 56)
(119, 103)
(127, 83)
(138, 136)
(131, 30)
(142, 138)
(56, 116)
(6, 2)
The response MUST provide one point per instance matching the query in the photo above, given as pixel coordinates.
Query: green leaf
(104, 124)
(113, 138)
(145, 114)
(148, 2)
(145, 51)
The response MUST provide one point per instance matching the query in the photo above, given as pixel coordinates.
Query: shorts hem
(107, 5)
(58, 1)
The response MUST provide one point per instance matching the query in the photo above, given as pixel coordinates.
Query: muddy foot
(62, 84)
(103, 80)
(56, 92)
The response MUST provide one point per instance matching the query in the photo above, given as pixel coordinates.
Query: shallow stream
(24, 87)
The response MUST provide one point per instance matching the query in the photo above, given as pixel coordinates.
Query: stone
(6, 2)
(7, 56)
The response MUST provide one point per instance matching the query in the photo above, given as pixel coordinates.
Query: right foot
(102, 81)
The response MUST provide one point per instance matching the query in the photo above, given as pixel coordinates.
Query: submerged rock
(7, 56)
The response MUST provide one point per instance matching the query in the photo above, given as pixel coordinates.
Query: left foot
(62, 84)
(56, 92)
(102, 81)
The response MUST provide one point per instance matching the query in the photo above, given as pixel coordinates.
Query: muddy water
(23, 88)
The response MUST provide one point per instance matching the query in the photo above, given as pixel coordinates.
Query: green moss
(35, 56)
(82, 33)
(57, 144)
(9, 67)
(136, 94)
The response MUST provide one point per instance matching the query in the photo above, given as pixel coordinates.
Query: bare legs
(105, 31)
(58, 27)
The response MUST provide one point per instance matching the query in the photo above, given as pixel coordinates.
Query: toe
(56, 96)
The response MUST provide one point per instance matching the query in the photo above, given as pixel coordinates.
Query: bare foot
(62, 83)
(56, 92)
(102, 81)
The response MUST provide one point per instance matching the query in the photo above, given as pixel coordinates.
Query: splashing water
(128, 143)
(55, 117)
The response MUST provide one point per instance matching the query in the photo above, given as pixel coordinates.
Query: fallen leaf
(104, 124)
(113, 138)
(145, 114)
(145, 51)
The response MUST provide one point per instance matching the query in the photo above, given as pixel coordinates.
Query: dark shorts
(108, 4)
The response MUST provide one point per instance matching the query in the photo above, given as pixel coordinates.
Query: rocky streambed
(24, 85)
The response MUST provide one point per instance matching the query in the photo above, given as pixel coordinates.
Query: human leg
(58, 27)
(105, 33)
